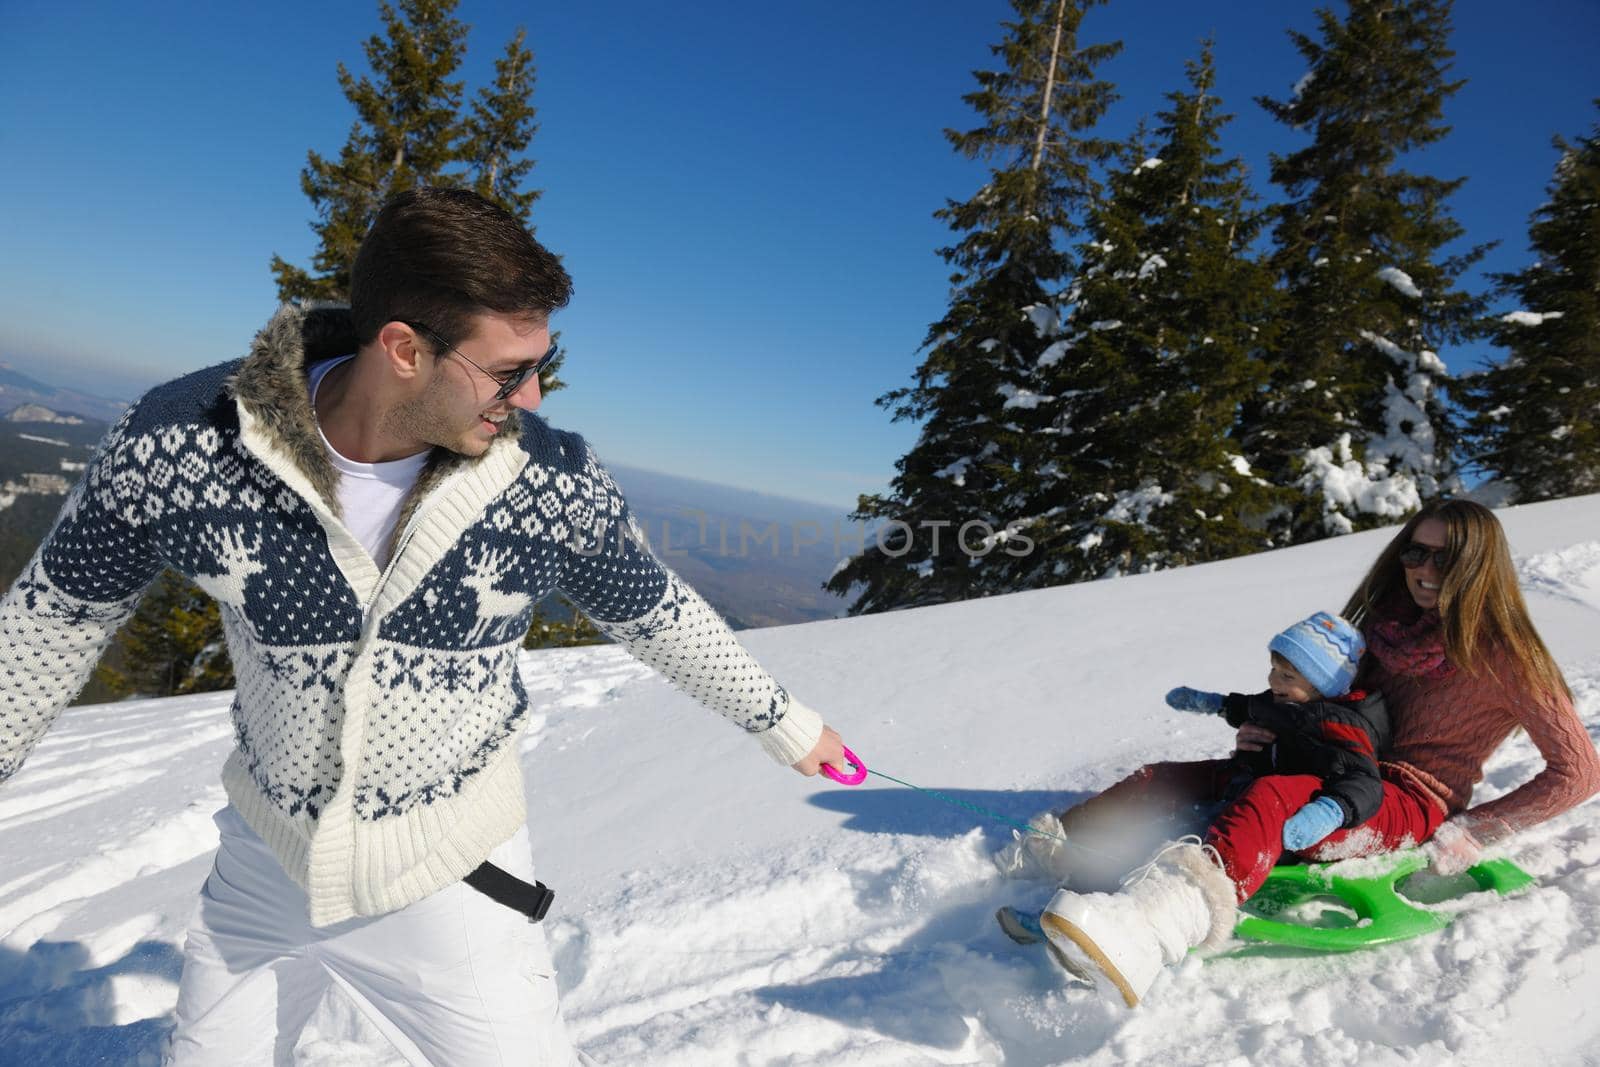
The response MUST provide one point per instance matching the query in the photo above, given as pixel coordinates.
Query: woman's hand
(1453, 848)
(1253, 738)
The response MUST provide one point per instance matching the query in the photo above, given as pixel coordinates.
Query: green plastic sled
(1362, 911)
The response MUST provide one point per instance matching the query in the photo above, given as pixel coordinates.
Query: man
(376, 525)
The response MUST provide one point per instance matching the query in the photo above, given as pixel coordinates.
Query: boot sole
(1055, 924)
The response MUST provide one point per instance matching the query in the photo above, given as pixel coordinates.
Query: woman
(1452, 649)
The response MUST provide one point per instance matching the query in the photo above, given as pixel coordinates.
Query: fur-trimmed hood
(271, 383)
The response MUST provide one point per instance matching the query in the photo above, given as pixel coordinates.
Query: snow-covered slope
(715, 909)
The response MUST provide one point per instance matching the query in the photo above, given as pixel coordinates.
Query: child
(1320, 727)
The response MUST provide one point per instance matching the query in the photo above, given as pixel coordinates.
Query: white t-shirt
(370, 494)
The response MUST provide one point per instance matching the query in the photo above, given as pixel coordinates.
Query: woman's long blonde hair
(1480, 602)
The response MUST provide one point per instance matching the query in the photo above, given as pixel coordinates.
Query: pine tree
(496, 135)
(557, 623)
(409, 131)
(943, 522)
(172, 645)
(1536, 416)
(1135, 406)
(501, 127)
(1354, 415)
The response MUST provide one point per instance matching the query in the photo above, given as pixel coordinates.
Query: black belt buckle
(543, 897)
(503, 888)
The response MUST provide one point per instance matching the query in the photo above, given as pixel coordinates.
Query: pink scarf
(1411, 648)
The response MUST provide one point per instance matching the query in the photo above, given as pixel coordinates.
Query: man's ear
(403, 352)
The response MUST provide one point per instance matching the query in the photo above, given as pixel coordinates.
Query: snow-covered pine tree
(1136, 466)
(1353, 415)
(941, 521)
(1535, 421)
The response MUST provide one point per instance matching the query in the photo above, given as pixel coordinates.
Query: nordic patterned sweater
(378, 713)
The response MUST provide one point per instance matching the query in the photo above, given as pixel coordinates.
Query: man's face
(456, 408)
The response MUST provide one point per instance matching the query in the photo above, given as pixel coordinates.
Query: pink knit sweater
(1445, 729)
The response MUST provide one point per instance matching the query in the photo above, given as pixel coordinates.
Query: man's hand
(829, 749)
(1253, 738)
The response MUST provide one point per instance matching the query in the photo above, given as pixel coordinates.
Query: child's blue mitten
(1312, 823)
(1185, 699)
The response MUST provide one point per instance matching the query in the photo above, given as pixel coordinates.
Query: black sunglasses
(1415, 555)
(508, 383)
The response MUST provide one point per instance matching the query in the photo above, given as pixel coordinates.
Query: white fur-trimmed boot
(1039, 854)
(1180, 899)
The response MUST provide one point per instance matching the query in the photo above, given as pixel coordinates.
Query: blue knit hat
(1325, 649)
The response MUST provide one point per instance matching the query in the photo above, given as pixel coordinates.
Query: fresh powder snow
(712, 908)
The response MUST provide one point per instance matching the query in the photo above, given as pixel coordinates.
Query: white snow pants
(454, 980)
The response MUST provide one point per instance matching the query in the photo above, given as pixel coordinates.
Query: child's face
(1287, 683)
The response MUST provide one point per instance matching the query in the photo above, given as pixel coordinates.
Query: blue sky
(743, 193)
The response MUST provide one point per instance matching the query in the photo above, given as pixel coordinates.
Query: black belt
(502, 888)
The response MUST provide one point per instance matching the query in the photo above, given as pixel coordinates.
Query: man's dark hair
(441, 256)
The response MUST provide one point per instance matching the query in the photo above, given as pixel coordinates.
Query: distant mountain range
(17, 389)
(760, 559)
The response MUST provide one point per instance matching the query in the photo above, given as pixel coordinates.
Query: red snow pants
(1163, 800)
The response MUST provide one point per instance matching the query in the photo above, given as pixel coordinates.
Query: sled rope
(861, 771)
(946, 798)
(935, 794)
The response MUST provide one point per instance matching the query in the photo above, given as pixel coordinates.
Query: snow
(44, 440)
(1134, 506)
(1053, 354)
(1150, 164)
(1151, 264)
(1018, 397)
(1402, 461)
(1046, 320)
(1346, 483)
(956, 472)
(1530, 318)
(714, 909)
(1400, 280)
(1388, 348)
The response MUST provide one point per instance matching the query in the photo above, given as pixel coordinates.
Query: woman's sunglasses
(1414, 555)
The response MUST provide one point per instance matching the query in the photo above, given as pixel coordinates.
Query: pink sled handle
(859, 776)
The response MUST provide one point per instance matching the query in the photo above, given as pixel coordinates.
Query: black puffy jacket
(1337, 740)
